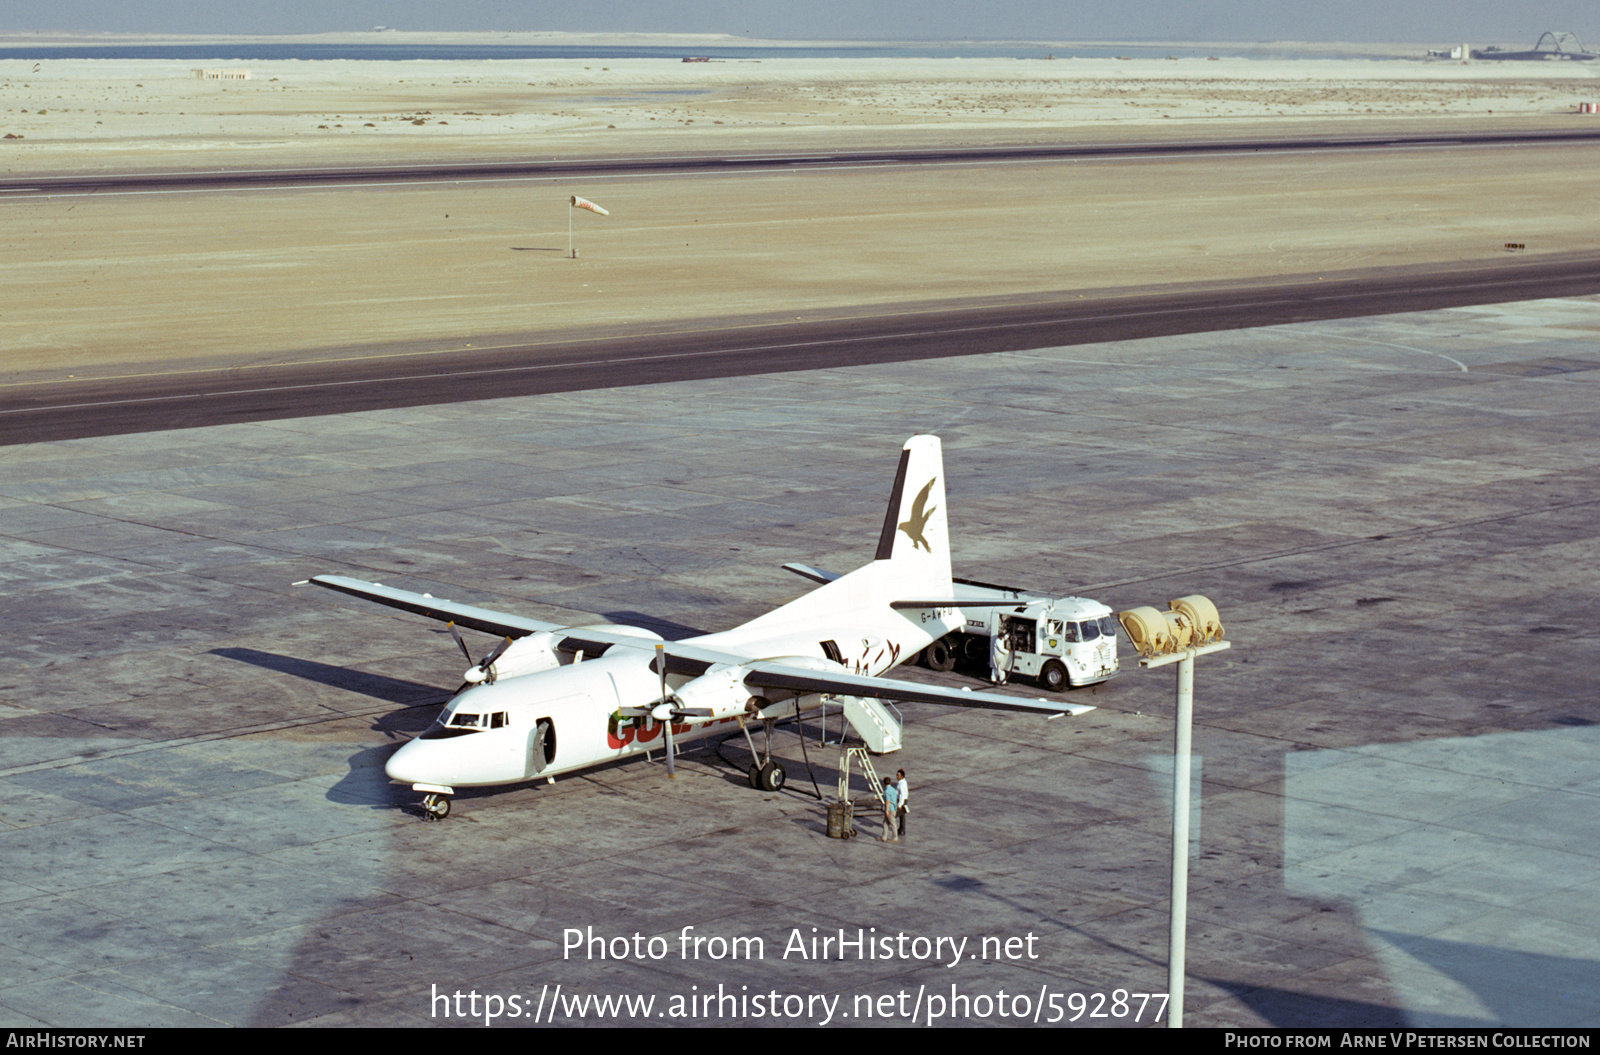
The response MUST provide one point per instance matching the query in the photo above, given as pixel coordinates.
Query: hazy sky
(1424, 21)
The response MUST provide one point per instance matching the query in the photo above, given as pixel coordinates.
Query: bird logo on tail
(919, 519)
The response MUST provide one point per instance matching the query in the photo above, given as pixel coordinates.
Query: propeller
(668, 710)
(672, 748)
(483, 668)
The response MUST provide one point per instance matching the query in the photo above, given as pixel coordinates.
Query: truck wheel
(940, 655)
(1053, 676)
(977, 649)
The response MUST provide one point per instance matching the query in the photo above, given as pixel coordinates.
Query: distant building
(219, 75)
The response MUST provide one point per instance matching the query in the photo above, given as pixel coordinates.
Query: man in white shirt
(999, 650)
(905, 792)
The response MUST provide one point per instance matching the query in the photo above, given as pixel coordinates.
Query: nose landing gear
(435, 807)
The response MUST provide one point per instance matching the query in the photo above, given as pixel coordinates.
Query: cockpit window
(469, 720)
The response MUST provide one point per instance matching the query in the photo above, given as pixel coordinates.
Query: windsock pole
(576, 202)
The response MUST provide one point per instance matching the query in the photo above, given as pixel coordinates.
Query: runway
(66, 185)
(351, 380)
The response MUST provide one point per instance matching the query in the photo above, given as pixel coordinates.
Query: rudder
(916, 533)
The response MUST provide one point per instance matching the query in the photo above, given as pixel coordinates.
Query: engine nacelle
(619, 630)
(526, 655)
(718, 693)
(784, 703)
(818, 663)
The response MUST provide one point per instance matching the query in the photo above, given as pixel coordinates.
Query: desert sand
(111, 282)
(76, 114)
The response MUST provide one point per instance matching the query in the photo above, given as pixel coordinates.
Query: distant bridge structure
(1553, 45)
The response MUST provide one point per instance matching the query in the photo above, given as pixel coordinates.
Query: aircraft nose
(405, 766)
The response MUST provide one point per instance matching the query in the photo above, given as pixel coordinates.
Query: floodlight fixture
(1190, 627)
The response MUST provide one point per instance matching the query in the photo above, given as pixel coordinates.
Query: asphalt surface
(1396, 761)
(551, 168)
(350, 380)
(1396, 764)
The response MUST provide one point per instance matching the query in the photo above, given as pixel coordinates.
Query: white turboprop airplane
(553, 699)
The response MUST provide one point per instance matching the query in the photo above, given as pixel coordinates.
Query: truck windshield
(1089, 630)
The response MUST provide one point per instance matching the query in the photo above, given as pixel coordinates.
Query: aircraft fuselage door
(541, 747)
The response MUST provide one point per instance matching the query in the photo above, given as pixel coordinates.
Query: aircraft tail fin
(916, 534)
(913, 561)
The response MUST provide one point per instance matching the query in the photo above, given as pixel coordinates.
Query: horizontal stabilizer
(806, 571)
(954, 602)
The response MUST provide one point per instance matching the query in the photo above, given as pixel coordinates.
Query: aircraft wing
(490, 622)
(687, 658)
(590, 640)
(769, 674)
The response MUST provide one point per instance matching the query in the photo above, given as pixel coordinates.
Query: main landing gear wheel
(436, 807)
(1053, 676)
(771, 777)
(941, 655)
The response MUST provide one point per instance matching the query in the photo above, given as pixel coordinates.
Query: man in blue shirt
(891, 803)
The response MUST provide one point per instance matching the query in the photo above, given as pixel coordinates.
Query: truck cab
(1062, 642)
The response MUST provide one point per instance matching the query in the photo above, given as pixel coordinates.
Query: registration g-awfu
(555, 699)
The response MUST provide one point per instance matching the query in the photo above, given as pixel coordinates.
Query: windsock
(585, 203)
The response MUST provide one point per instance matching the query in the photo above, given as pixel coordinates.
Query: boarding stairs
(841, 811)
(858, 754)
(874, 721)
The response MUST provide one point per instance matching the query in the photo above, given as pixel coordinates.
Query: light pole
(1190, 628)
